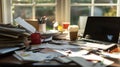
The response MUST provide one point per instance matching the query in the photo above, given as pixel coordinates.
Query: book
(8, 35)
(17, 30)
(4, 45)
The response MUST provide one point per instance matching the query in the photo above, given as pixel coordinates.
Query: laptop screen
(103, 28)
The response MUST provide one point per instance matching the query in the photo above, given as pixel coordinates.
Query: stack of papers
(10, 34)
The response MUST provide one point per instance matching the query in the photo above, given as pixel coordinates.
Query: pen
(42, 20)
(36, 50)
(28, 48)
(94, 52)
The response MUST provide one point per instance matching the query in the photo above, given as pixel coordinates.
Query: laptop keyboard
(95, 41)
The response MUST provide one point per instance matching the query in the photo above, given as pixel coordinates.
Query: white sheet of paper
(102, 46)
(30, 56)
(112, 55)
(82, 53)
(81, 61)
(96, 45)
(26, 25)
(46, 45)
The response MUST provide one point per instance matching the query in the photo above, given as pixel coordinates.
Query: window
(93, 8)
(60, 10)
(33, 9)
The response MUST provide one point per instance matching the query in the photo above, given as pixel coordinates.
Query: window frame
(6, 11)
(33, 5)
(62, 9)
(0, 12)
(93, 4)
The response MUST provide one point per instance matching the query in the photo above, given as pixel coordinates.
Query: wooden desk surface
(10, 60)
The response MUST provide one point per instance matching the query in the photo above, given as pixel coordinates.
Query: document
(47, 45)
(112, 55)
(30, 56)
(83, 54)
(26, 25)
(96, 45)
(82, 62)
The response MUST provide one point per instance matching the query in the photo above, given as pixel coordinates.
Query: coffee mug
(35, 38)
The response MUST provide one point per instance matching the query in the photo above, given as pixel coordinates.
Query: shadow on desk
(11, 61)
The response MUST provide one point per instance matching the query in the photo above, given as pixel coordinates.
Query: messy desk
(52, 51)
(62, 53)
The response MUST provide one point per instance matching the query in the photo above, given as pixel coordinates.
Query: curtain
(0, 11)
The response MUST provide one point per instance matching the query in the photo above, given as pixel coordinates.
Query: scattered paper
(82, 53)
(81, 61)
(30, 56)
(96, 45)
(25, 24)
(112, 55)
(47, 45)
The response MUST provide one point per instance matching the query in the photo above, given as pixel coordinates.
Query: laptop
(102, 29)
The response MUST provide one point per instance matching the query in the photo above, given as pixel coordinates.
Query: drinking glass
(65, 26)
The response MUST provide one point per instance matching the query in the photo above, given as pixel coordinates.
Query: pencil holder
(42, 28)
